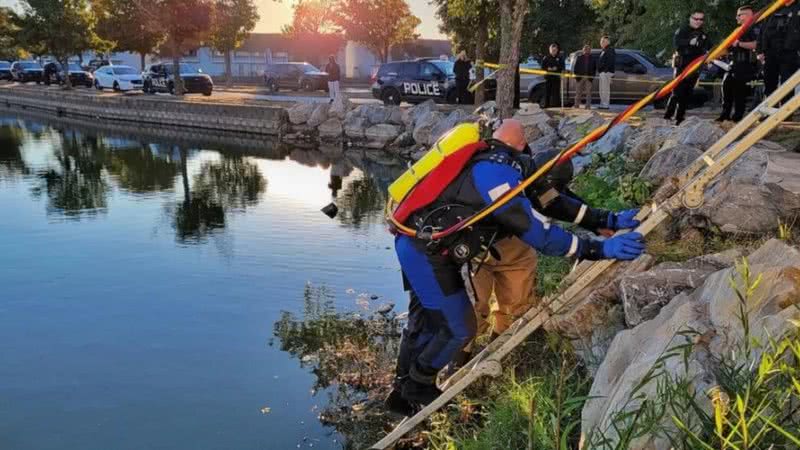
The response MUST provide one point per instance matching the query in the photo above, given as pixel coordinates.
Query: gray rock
(395, 115)
(668, 162)
(612, 142)
(646, 140)
(544, 143)
(300, 113)
(405, 139)
(712, 310)
(443, 126)
(331, 129)
(425, 125)
(379, 135)
(385, 309)
(377, 114)
(411, 116)
(340, 107)
(355, 126)
(644, 294)
(534, 121)
(701, 133)
(573, 128)
(755, 192)
(319, 115)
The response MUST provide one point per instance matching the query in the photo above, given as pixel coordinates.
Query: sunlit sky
(276, 14)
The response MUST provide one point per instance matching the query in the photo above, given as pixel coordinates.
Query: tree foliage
(312, 17)
(378, 24)
(61, 28)
(9, 30)
(571, 23)
(650, 24)
(233, 22)
(186, 25)
(128, 26)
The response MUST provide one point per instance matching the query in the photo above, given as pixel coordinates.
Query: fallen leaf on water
(350, 291)
(266, 410)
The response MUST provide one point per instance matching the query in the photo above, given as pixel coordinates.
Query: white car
(118, 78)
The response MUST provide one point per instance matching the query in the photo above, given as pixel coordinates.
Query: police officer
(553, 62)
(742, 70)
(461, 70)
(433, 269)
(779, 44)
(690, 42)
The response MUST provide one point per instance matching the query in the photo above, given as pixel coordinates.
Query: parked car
(159, 78)
(118, 78)
(25, 71)
(96, 64)
(636, 75)
(295, 76)
(415, 81)
(53, 73)
(5, 71)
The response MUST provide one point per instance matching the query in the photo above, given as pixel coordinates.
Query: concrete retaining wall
(260, 120)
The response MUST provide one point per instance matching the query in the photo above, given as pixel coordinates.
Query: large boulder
(544, 143)
(624, 379)
(340, 107)
(355, 126)
(647, 139)
(301, 112)
(644, 294)
(695, 131)
(405, 139)
(378, 114)
(612, 142)
(668, 162)
(331, 129)
(454, 118)
(379, 135)
(534, 121)
(411, 116)
(425, 125)
(755, 192)
(573, 128)
(319, 115)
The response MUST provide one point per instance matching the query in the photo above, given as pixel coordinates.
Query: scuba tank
(452, 141)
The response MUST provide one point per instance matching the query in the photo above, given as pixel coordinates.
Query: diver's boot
(397, 404)
(420, 388)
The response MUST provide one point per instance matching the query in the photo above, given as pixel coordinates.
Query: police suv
(415, 81)
(159, 78)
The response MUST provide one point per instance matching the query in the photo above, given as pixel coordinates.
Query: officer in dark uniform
(779, 44)
(433, 269)
(742, 71)
(553, 62)
(690, 42)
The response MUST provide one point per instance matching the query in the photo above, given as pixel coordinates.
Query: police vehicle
(159, 78)
(415, 81)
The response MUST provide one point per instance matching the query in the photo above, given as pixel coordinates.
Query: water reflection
(137, 169)
(352, 358)
(75, 187)
(11, 163)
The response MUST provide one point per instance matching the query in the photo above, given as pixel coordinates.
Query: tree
(127, 24)
(233, 22)
(571, 23)
(650, 24)
(186, 24)
(470, 24)
(378, 24)
(512, 18)
(9, 30)
(313, 30)
(63, 28)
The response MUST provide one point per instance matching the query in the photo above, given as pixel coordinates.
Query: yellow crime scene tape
(542, 72)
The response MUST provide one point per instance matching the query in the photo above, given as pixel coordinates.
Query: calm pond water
(141, 283)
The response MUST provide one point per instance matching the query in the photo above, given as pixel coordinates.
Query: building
(251, 58)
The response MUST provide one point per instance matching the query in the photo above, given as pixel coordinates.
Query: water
(136, 314)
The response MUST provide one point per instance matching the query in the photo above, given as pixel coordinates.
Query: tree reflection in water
(75, 188)
(11, 162)
(233, 183)
(138, 170)
(352, 358)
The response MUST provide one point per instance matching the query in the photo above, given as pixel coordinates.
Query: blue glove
(626, 246)
(623, 220)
